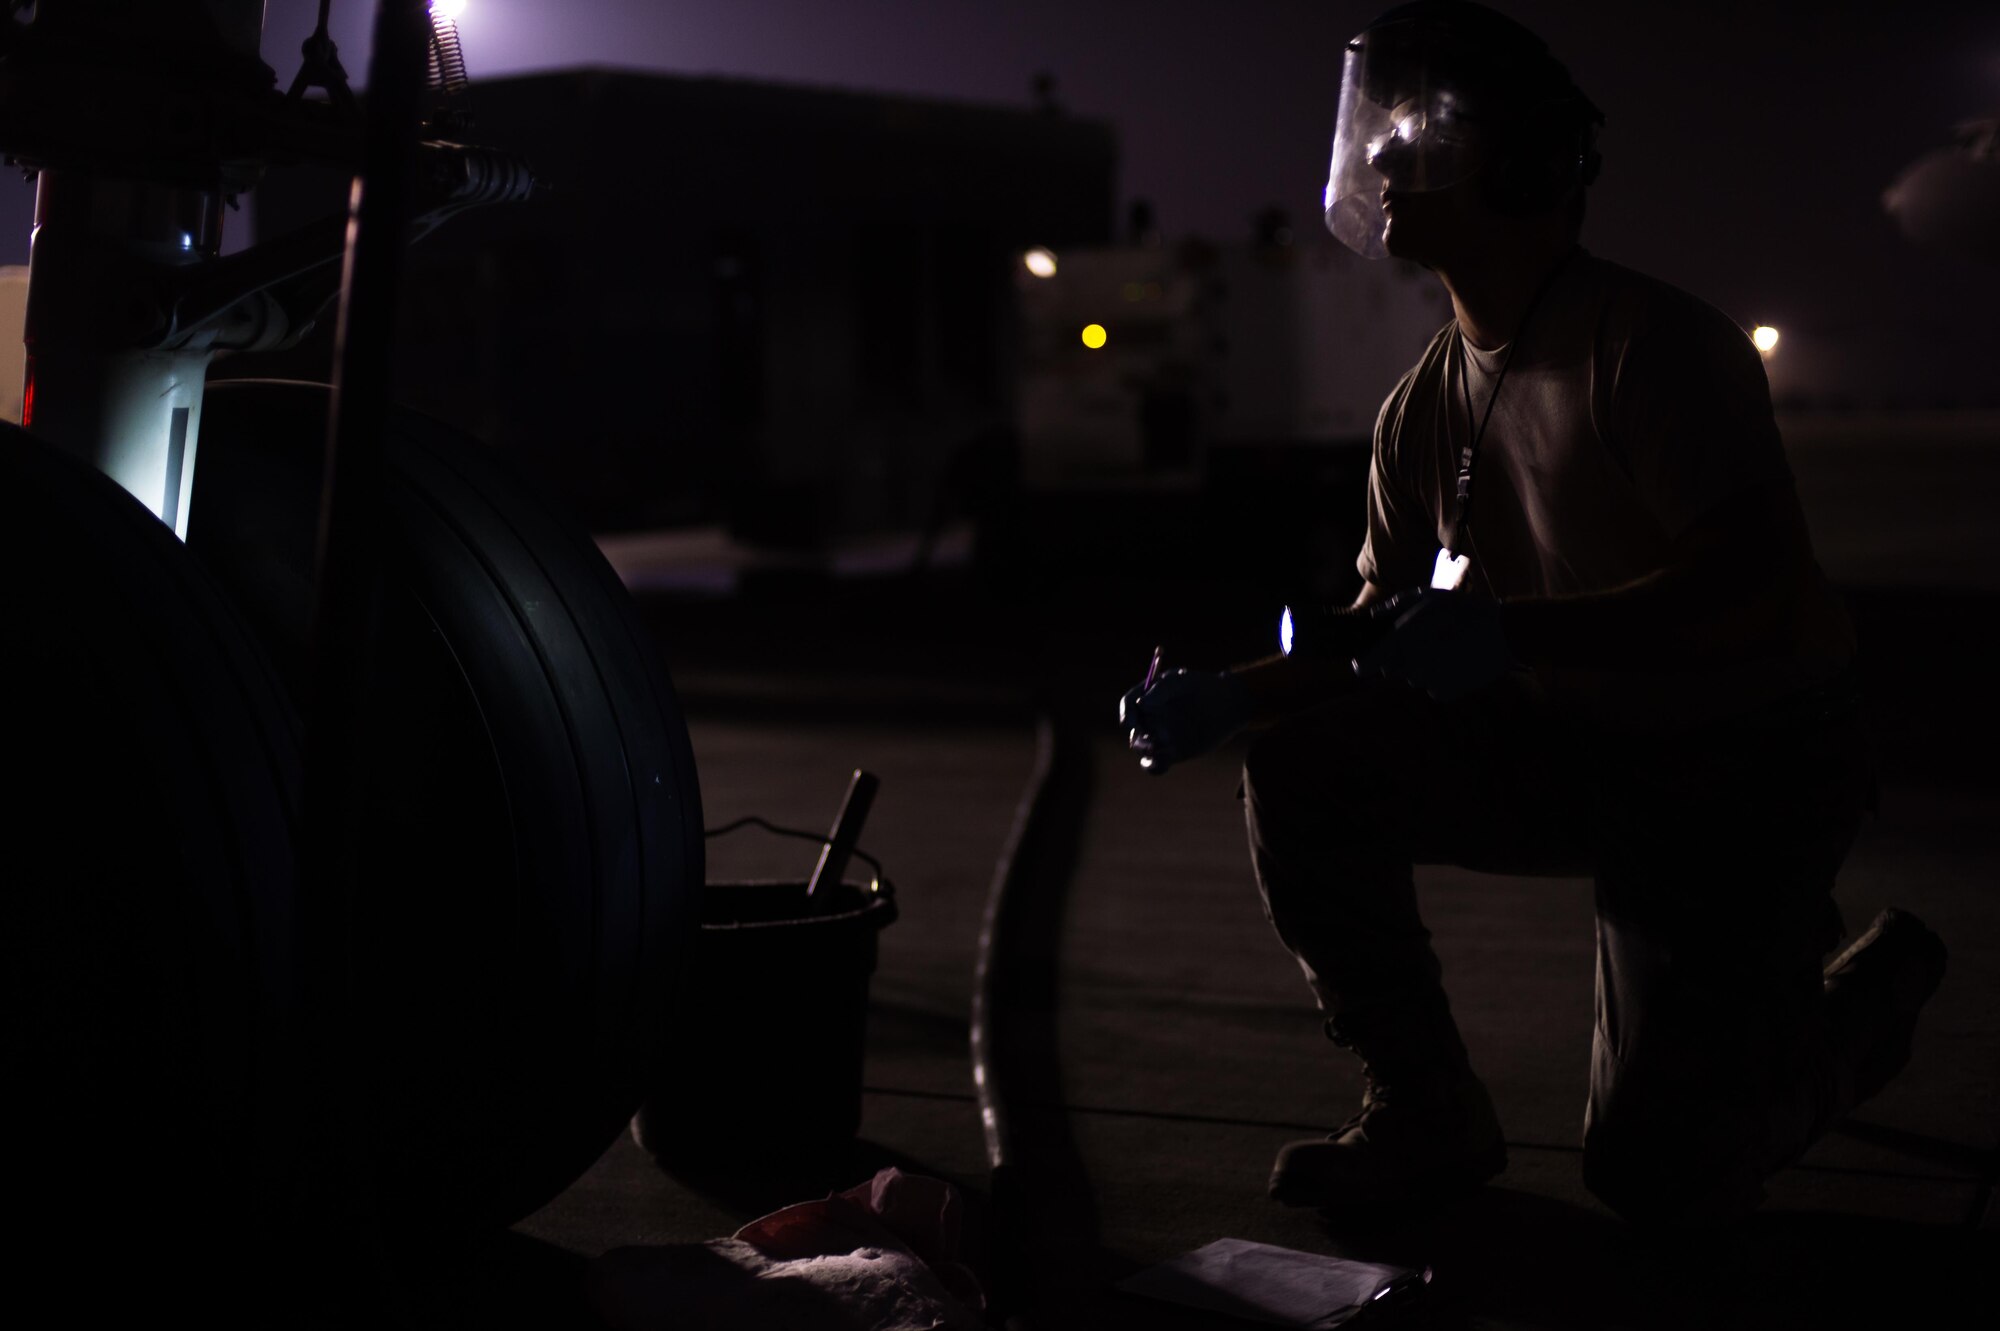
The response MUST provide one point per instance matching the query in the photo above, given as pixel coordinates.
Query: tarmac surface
(1165, 1046)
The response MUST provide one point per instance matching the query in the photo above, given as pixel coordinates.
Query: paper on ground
(1262, 1283)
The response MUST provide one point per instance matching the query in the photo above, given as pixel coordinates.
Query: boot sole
(1898, 964)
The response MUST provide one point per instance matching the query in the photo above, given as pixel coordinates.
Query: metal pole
(349, 556)
(348, 578)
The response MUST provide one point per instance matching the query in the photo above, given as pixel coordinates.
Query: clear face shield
(1405, 126)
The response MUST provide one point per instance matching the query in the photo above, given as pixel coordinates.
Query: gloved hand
(1183, 715)
(1449, 644)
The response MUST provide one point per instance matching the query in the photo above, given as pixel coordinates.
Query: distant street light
(1764, 338)
(1094, 336)
(1041, 262)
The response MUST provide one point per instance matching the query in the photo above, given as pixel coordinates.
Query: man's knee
(1654, 1171)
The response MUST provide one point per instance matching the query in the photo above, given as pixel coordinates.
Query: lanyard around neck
(1469, 454)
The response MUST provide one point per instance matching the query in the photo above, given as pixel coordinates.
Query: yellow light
(1764, 338)
(1041, 262)
(1094, 336)
(447, 9)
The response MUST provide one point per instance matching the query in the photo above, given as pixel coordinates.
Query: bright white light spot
(1448, 570)
(1285, 632)
(447, 9)
(1094, 336)
(1041, 262)
(1764, 338)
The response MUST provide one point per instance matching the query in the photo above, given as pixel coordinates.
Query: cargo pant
(1713, 853)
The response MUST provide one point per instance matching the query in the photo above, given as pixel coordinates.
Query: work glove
(1447, 643)
(1182, 715)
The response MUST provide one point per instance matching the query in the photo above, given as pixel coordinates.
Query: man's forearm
(1673, 618)
(1730, 592)
(1281, 685)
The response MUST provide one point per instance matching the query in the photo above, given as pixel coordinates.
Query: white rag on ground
(879, 1257)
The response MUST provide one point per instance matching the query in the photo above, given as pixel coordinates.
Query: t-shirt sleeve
(1691, 417)
(1401, 544)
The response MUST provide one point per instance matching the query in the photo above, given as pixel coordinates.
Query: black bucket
(768, 1052)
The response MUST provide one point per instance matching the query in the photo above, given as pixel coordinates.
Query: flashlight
(1339, 632)
(1311, 630)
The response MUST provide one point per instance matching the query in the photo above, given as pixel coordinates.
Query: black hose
(1041, 1214)
(995, 1120)
(1007, 1255)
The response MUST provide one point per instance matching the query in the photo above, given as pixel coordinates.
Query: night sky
(1746, 147)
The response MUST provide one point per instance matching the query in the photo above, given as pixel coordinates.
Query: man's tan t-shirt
(1630, 410)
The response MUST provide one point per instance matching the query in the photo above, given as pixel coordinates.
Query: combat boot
(1426, 1128)
(1874, 991)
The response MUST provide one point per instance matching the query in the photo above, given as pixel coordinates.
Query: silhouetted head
(1448, 96)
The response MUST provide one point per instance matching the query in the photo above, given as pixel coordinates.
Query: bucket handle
(882, 885)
